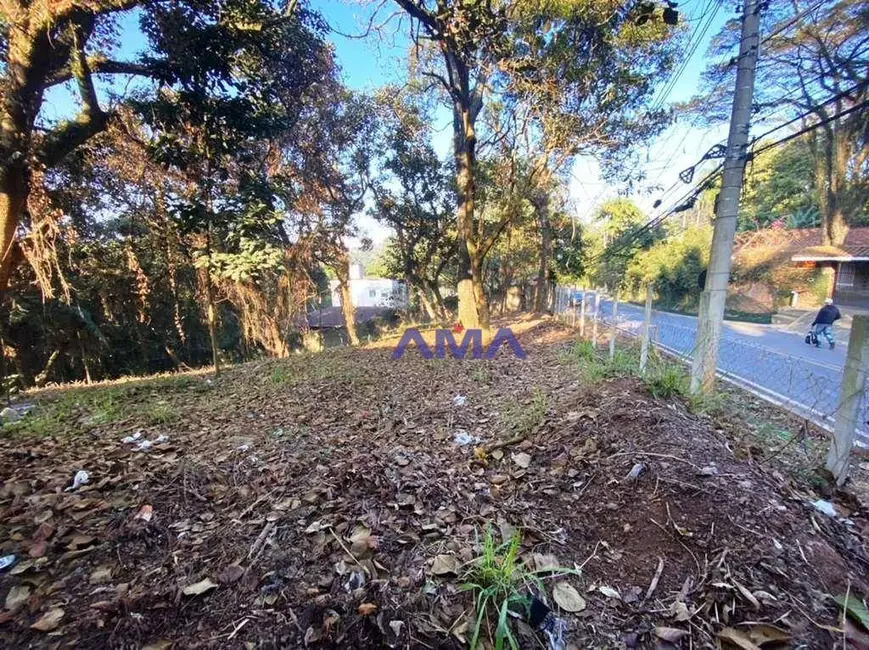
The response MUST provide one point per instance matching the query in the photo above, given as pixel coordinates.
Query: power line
(812, 127)
(793, 20)
(709, 14)
(682, 203)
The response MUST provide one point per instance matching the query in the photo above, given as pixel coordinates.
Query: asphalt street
(765, 358)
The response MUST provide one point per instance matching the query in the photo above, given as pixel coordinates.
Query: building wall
(852, 284)
(372, 292)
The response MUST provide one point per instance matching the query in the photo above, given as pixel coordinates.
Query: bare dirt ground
(323, 501)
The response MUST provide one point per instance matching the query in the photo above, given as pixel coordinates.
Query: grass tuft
(499, 583)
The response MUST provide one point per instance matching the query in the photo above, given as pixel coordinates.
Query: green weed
(280, 375)
(523, 419)
(160, 413)
(624, 363)
(501, 584)
(667, 381)
(481, 374)
(105, 406)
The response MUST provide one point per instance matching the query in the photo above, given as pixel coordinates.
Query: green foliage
(666, 381)
(673, 266)
(498, 582)
(616, 240)
(521, 418)
(780, 189)
(160, 412)
(501, 584)
(594, 365)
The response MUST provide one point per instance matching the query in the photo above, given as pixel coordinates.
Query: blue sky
(379, 59)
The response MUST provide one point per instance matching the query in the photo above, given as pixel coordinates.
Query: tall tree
(814, 65)
(473, 50)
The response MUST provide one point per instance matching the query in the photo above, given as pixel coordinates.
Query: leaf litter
(340, 512)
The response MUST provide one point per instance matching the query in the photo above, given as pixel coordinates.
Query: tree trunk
(84, 359)
(42, 377)
(211, 313)
(211, 310)
(427, 305)
(14, 188)
(342, 271)
(838, 181)
(438, 301)
(830, 177)
(541, 302)
(473, 312)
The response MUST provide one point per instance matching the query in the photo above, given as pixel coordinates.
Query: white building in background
(371, 292)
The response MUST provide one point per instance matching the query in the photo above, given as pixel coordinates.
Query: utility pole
(714, 294)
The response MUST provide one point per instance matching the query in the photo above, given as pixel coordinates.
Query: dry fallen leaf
(101, 575)
(748, 595)
(567, 597)
(762, 633)
(609, 592)
(671, 634)
(544, 562)
(198, 588)
(737, 638)
(522, 459)
(17, 596)
(444, 564)
(38, 549)
(145, 513)
(367, 609)
(230, 574)
(161, 644)
(49, 621)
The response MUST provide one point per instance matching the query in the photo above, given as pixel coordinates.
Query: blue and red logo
(472, 340)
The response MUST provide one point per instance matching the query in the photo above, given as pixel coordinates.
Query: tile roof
(805, 243)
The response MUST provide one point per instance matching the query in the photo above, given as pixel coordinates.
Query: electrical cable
(812, 127)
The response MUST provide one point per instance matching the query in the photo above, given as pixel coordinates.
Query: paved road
(765, 358)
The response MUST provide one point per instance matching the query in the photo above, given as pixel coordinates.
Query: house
(796, 262)
(371, 292)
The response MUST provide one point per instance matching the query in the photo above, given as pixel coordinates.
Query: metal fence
(770, 362)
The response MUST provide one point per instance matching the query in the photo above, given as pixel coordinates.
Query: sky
(380, 58)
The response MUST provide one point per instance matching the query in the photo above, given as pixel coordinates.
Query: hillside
(342, 500)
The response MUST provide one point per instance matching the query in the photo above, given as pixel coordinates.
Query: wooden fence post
(647, 322)
(850, 398)
(613, 326)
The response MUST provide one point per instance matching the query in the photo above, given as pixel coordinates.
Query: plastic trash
(553, 627)
(7, 561)
(635, 472)
(81, 478)
(133, 438)
(145, 445)
(463, 438)
(460, 400)
(161, 438)
(826, 507)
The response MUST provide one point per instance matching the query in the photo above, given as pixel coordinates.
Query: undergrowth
(502, 588)
(523, 419)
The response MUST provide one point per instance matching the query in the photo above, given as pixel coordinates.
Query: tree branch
(99, 65)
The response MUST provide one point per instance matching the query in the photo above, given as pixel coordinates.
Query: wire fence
(771, 363)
